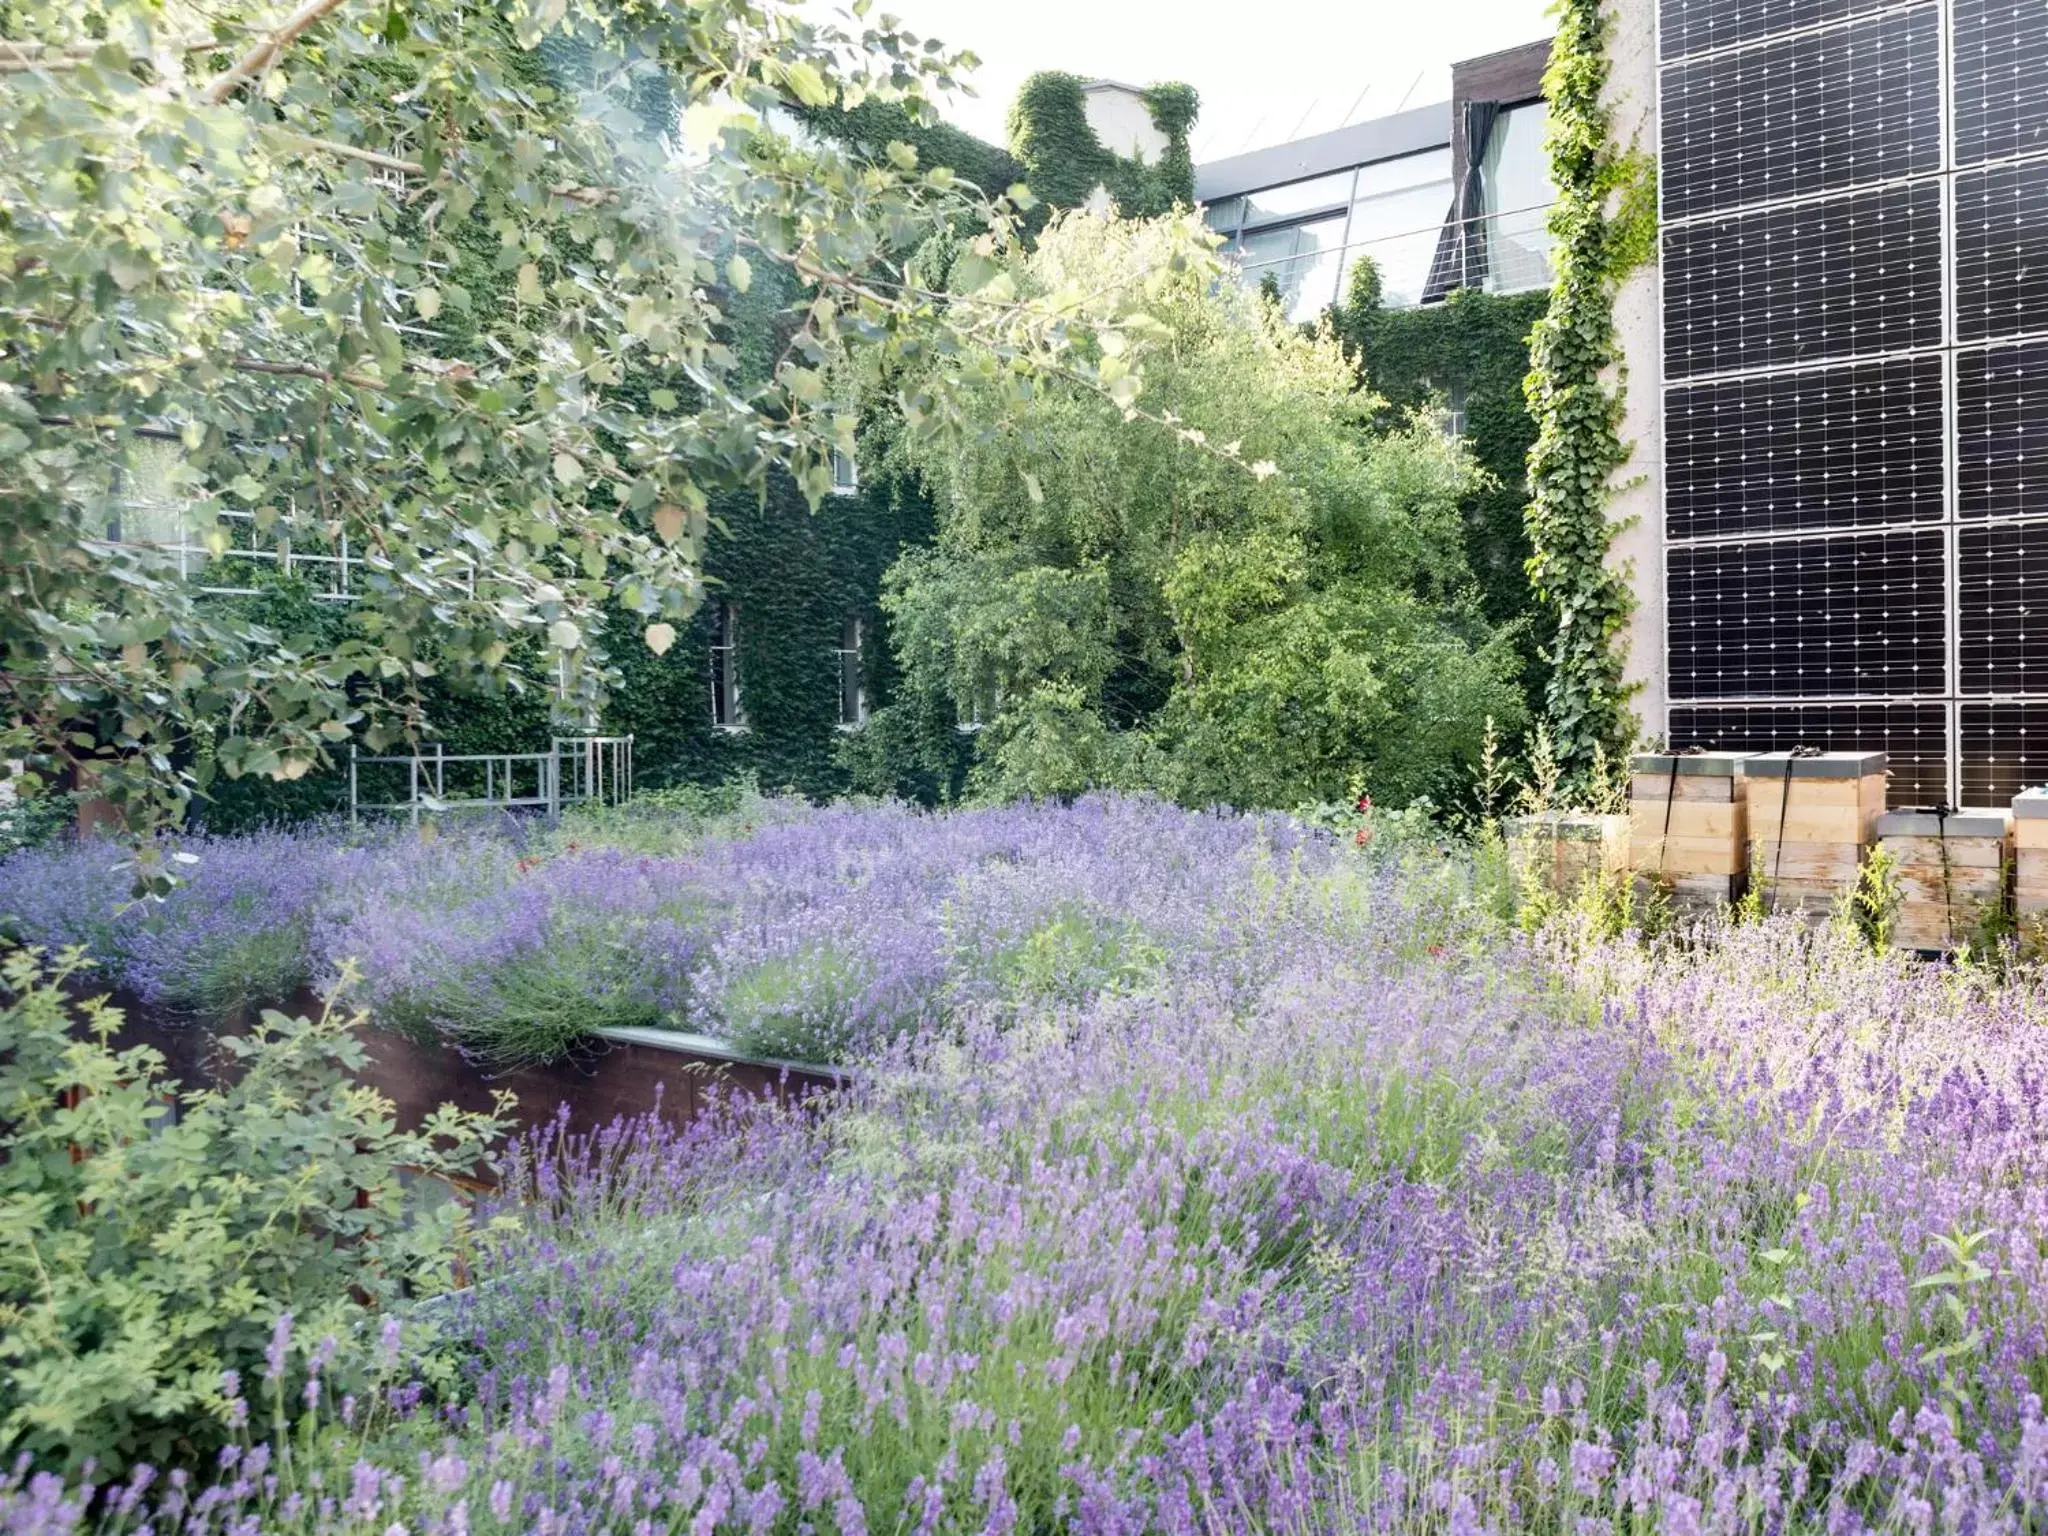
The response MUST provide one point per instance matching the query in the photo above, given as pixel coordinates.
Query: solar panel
(1778, 453)
(1851, 614)
(1815, 112)
(2002, 251)
(2001, 407)
(2002, 608)
(1914, 737)
(1851, 507)
(1695, 26)
(2001, 79)
(1851, 276)
(2004, 750)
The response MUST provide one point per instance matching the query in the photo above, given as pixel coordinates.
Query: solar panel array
(1855, 271)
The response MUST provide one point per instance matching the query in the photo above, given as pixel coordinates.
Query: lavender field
(1202, 1174)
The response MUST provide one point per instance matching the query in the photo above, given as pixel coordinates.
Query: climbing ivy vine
(1065, 162)
(1604, 226)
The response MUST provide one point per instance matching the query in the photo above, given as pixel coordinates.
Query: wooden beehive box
(1562, 851)
(1950, 871)
(2030, 853)
(1810, 820)
(1689, 825)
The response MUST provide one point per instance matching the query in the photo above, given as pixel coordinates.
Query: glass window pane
(1297, 198)
(1400, 231)
(1224, 217)
(1431, 166)
(1514, 175)
(1514, 178)
(1304, 261)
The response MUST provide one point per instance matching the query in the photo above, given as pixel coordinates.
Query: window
(1515, 197)
(985, 705)
(1454, 414)
(726, 711)
(1303, 260)
(853, 697)
(1397, 219)
(845, 473)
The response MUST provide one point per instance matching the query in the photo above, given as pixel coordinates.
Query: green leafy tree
(1258, 609)
(151, 1236)
(442, 285)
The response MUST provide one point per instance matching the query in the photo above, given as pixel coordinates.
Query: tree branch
(231, 79)
(309, 371)
(350, 152)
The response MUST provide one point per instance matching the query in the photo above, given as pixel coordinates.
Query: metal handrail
(600, 770)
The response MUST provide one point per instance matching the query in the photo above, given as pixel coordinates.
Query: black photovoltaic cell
(1776, 453)
(2002, 251)
(1694, 26)
(2005, 750)
(1849, 276)
(2001, 79)
(1817, 112)
(2002, 408)
(1914, 737)
(1858, 613)
(2002, 607)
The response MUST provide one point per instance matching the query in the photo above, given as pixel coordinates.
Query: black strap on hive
(1784, 807)
(1670, 797)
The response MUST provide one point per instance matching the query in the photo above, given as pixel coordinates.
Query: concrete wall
(1122, 123)
(1638, 317)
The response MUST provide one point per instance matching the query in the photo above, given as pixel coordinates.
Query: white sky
(1267, 72)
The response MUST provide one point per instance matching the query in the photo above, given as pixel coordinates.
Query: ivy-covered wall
(1064, 162)
(1471, 350)
(795, 575)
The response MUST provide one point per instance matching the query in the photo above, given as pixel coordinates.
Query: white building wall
(1638, 318)
(1121, 122)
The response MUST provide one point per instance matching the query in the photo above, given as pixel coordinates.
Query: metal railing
(574, 770)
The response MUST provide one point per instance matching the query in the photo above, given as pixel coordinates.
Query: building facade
(1835, 381)
(1452, 195)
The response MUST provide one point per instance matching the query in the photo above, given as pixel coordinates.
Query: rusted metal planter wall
(624, 1072)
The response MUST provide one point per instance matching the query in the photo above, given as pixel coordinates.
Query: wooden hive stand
(1689, 826)
(1563, 851)
(1951, 869)
(2030, 857)
(1810, 820)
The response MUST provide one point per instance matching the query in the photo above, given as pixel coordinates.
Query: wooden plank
(1678, 818)
(1688, 856)
(1690, 787)
(1835, 863)
(1967, 852)
(1812, 824)
(1921, 884)
(1768, 789)
(1930, 928)
(2030, 866)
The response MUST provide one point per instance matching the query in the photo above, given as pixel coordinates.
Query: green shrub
(153, 1236)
